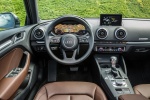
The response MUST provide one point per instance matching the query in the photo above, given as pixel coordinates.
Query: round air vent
(120, 34)
(39, 33)
(102, 33)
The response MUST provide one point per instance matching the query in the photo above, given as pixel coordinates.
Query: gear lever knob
(114, 69)
(113, 61)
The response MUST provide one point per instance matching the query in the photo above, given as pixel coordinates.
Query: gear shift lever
(113, 62)
(114, 70)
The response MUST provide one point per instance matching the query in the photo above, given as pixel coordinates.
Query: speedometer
(68, 28)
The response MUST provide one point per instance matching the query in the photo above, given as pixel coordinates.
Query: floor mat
(83, 74)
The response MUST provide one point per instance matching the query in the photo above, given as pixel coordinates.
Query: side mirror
(9, 20)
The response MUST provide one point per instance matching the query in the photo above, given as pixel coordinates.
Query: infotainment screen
(111, 19)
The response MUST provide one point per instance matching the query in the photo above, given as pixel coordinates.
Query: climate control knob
(120, 49)
(101, 49)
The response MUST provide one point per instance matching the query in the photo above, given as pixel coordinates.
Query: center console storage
(113, 78)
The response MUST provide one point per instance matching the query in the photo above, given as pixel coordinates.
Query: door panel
(9, 61)
(14, 60)
(10, 78)
(10, 39)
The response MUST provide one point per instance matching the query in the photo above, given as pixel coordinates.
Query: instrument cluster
(61, 29)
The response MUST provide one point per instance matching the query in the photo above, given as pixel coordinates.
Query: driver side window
(12, 14)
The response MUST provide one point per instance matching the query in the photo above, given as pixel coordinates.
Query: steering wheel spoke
(73, 58)
(54, 39)
(83, 39)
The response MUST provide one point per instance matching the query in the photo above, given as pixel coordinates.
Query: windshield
(49, 9)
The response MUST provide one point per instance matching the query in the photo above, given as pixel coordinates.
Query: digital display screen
(68, 28)
(111, 19)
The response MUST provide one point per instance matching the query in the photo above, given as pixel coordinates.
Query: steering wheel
(69, 42)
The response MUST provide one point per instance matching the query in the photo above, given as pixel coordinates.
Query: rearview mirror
(9, 20)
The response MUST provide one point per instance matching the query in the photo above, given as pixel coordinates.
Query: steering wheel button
(52, 41)
(80, 40)
(86, 40)
(55, 41)
(53, 48)
(58, 40)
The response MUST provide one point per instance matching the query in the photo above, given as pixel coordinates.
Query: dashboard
(112, 34)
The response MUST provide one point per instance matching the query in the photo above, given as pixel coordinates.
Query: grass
(49, 9)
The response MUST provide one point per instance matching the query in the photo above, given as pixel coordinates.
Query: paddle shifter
(114, 70)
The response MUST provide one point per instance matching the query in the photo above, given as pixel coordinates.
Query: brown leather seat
(132, 97)
(143, 89)
(70, 91)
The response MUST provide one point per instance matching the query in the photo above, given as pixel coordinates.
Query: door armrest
(9, 85)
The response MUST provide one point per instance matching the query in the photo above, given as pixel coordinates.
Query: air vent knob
(102, 33)
(120, 34)
(39, 33)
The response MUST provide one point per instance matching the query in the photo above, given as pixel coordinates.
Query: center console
(113, 76)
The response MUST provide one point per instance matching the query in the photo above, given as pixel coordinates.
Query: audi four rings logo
(69, 42)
